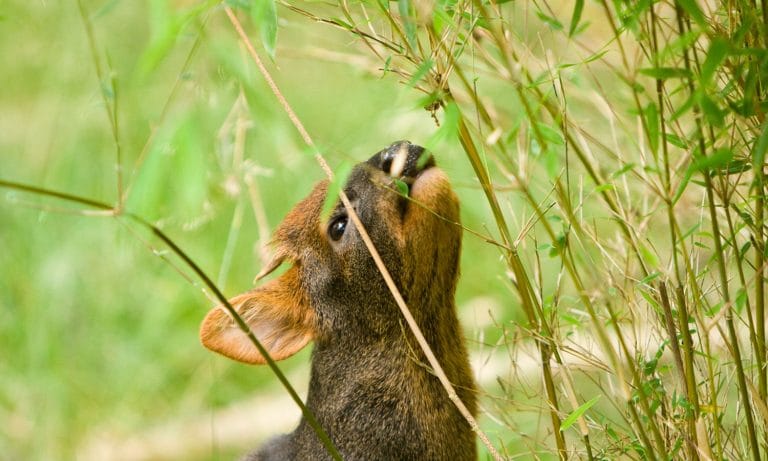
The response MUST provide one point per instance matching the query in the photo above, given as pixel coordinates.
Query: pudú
(370, 387)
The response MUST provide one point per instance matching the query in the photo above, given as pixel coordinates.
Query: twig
(110, 108)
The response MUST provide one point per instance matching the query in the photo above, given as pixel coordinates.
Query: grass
(613, 153)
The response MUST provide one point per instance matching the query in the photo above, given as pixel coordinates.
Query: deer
(370, 386)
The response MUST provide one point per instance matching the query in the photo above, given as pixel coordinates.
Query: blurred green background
(99, 355)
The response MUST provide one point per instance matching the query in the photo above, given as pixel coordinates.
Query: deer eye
(337, 227)
(386, 161)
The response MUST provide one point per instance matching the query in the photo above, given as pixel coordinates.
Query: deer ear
(278, 313)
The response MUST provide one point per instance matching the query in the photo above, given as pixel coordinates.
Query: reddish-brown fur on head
(369, 388)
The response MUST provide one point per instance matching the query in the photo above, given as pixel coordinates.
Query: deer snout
(403, 160)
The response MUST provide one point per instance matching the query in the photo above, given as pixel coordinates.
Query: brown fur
(370, 388)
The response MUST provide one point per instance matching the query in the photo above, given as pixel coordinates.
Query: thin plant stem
(682, 358)
(720, 260)
(760, 265)
(521, 279)
(110, 106)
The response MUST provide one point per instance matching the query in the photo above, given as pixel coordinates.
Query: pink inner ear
(278, 315)
(220, 334)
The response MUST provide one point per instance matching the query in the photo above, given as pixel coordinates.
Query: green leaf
(334, 188)
(449, 128)
(576, 414)
(744, 248)
(650, 277)
(421, 71)
(678, 45)
(401, 186)
(440, 18)
(683, 109)
(553, 23)
(737, 167)
(690, 231)
(387, 66)
(108, 6)
(718, 51)
(683, 185)
(628, 167)
(760, 147)
(578, 7)
(407, 15)
(604, 187)
(650, 300)
(693, 10)
(560, 243)
(651, 114)
(172, 178)
(649, 256)
(422, 161)
(451, 120)
(664, 73)
(676, 141)
(241, 4)
(430, 101)
(550, 134)
(716, 161)
(741, 300)
(551, 162)
(264, 15)
(711, 111)
(164, 29)
(166, 26)
(596, 56)
(343, 23)
(544, 247)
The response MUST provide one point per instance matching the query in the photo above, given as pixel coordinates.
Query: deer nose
(403, 160)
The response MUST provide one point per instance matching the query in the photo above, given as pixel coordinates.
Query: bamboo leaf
(334, 188)
(664, 73)
(628, 167)
(649, 256)
(604, 188)
(553, 23)
(760, 147)
(421, 71)
(165, 27)
(407, 14)
(242, 4)
(650, 277)
(676, 46)
(449, 128)
(693, 10)
(401, 186)
(172, 178)
(550, 134)
(264, 15)
(651, 114)
(711, 111)
(718, 51)
(714, 162)
(683, 109)
(578, 7)
(676, 141)
(576, 414)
